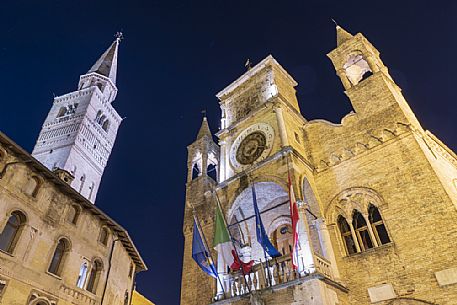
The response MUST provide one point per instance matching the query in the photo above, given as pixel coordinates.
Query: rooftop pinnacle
(204, 129)
(106, 65)
(341, 35)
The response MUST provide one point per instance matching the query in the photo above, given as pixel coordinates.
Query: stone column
(344, 79)
(327, 248)
(370, 231)
(354, 237)
(282, 127)
(305, 253)
(222, 161)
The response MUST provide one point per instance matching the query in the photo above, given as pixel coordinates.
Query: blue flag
(262, 237)
(201, 255)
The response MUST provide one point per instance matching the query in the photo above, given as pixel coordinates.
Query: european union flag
(201, 255)
(262, 237)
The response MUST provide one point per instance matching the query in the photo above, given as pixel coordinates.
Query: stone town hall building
(377, 193)
(56, 246)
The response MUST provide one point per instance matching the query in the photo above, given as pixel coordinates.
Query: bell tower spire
(79, 132)
(366, 78)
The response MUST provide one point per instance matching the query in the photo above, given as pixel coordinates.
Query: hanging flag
(262, 237)
(200, 253)
(222, 242)
(295, 218)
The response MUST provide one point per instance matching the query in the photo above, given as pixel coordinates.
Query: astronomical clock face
(252, 145)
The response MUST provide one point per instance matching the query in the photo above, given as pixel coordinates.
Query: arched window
(82, 180)
(357, 69)
(100, 86)
(58, 258)
(378, 226)
(82, 275)
(61, 112)
(103, 238)
(97, 117)
(195, 171)
(345, 231)
(283, 239)
(73, 214)
(32, 186)
(105, 125)
(212, 172)
(12, 231)
(361, 231)
(94, 276)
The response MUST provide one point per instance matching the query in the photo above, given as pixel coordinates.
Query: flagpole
(230, 235)
(197, 221)
(264, 252)
(290, 208)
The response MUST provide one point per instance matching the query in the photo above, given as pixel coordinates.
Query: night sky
(176, 56)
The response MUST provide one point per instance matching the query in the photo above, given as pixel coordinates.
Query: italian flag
(222, 242)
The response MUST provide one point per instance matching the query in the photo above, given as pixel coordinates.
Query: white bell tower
(81, 127)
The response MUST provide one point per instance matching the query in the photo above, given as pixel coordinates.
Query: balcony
(278, 274)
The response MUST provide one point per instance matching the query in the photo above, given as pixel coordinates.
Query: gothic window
(12, 231)
(361, 231)
(62, 112)
(97, 117)
(346, 235)
(212, 172)
(94, 276)
(105, 125)
(32, 186)
(58, 258)
(195, 171)
(103, 238)
(82, 275)
(73, 214)
(357, 69)
(377, 224)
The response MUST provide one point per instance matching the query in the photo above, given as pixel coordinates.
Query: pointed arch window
(62, 112)
(58, 258)
(346, 235)
(379, 229)
(82, 275)
(361, 231)
(195, 171)
(12, 231)
(105, 125)
(212, 172)
(94, 277)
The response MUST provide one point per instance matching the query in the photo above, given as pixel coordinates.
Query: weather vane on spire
(119, 36)
(204, 113)
(336, 24)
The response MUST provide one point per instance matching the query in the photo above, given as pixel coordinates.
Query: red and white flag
(295, 218)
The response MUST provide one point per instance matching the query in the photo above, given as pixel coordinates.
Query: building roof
(139, 299)
(78, 198)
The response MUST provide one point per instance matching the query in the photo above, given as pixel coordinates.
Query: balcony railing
(279, 271)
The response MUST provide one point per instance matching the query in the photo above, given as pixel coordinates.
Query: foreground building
(377, 193)
(56, 246)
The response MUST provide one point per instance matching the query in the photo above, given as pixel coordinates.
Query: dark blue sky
(176, 56)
